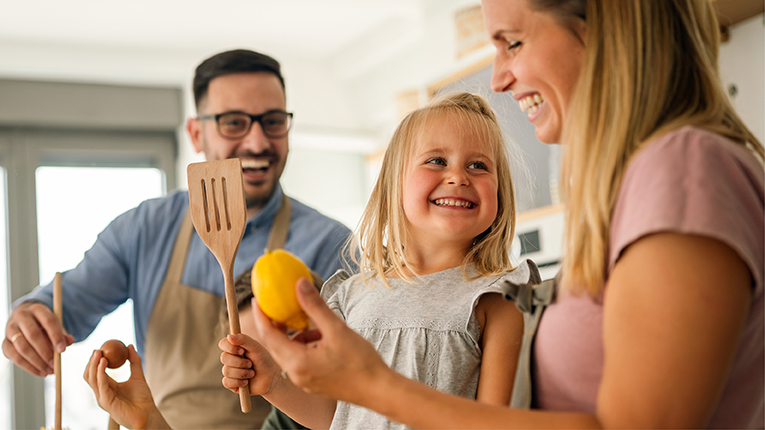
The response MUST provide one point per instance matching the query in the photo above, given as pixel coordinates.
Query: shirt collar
(268, 212)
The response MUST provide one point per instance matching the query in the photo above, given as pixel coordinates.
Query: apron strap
(531, 299)
(277, 236)
(178, 258)
(281, 226)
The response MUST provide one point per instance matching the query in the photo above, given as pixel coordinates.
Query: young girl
(433, 245)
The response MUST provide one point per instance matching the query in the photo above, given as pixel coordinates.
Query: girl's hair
(382, 232)
(650, 67)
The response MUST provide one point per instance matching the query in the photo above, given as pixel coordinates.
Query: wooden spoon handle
(58, 312)
(234, 328)
(113, 425)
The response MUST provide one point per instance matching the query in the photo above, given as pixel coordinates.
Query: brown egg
(115, 352)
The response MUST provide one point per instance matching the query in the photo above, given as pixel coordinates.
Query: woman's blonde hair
(382, 232)
(650, 67)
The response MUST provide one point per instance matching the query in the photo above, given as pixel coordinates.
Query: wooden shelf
(731, 12)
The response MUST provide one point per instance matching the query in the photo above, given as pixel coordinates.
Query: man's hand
(31, 334)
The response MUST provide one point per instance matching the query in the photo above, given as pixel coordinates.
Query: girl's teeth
(450, 202)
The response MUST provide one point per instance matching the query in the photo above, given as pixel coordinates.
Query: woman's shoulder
(692, 181)
(691, 164)
(682, 146)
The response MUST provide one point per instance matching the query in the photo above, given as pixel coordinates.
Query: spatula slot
(206, 205)
(225, 204)
(215, 204)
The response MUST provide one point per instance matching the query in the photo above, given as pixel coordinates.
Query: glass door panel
(73, 205)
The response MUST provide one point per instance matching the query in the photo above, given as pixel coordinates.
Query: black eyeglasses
(233, 125)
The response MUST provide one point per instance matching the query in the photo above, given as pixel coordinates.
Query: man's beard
(260, 200)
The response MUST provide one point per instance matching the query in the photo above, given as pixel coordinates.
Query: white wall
(431, 57)
(742, 63)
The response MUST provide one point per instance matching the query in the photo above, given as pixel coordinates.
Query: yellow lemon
(273, 283)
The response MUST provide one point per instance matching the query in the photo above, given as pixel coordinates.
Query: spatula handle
(234, 328)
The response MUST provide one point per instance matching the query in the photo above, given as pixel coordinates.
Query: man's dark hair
(236, 61)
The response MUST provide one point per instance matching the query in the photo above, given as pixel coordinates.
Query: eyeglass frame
(253, 119)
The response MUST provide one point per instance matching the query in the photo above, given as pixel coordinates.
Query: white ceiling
(308, 29)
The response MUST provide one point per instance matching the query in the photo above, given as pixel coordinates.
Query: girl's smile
(454, 202)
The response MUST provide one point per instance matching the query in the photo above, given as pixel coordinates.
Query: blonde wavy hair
(378, 245)
(650, 67)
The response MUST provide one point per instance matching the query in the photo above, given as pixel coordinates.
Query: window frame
(22, 151)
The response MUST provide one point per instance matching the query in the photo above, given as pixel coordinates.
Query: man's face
(263, 158)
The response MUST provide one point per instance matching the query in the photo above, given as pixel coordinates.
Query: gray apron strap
(531, 299)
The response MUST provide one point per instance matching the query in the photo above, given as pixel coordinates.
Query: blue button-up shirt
(130, 259)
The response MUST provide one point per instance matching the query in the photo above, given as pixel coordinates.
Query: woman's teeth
(451, 202)
(531, 103)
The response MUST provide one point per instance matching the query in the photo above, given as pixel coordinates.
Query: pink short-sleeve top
(688, 181)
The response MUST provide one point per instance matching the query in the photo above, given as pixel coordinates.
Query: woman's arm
(674, 310)
(501, 337)
(340, 364)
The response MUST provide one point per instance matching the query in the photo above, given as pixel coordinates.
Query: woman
(659, 316)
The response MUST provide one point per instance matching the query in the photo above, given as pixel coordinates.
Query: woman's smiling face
(538, 59)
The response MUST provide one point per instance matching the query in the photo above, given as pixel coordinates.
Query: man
(152, 255)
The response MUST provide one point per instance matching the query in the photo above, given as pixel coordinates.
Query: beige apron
(181, 355)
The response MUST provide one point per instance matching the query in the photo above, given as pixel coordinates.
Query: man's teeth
(451, 202)
(255, 164)
(531, 103)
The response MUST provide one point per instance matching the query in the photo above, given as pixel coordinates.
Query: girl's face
(450, 185)
(537, 58)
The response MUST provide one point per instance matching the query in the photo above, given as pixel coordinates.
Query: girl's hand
(129, 403)
(332, 361)
(256, 368)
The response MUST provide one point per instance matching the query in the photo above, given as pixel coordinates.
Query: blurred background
(94, 96)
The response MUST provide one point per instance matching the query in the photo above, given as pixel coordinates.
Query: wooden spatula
(219, 214)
